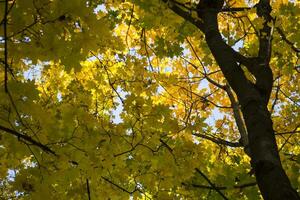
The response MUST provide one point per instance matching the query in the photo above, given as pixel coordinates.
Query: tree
(158, 99)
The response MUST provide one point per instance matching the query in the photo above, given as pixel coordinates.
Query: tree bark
(253, 97)
(265, 161)
(271, 178)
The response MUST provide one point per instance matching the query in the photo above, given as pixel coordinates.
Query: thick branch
(178, 9)
(260, 67)
(271, 178)
(225, 57)
(264, 10)
(198, 22)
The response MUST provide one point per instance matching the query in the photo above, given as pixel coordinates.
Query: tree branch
(283, 36)
(212, 185)
(242, 186)
(8, 10)
(239, 9)
(178, 9)
(118, 186)
(218, 140)
(88, 189)
(198, 22)
(28, 139)
(261, 68)
(238, 119)
(5, 47)
(226, 57)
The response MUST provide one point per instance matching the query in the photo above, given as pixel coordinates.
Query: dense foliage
(111, 99)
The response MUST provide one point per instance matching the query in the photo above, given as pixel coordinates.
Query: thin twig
(5, 47)
(129, 24)
(242, 186)
(284, 38)
(116, 185)
(212, 185)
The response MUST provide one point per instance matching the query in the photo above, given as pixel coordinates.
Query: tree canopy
(140, 99)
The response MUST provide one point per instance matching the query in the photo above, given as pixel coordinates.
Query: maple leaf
(142, 99)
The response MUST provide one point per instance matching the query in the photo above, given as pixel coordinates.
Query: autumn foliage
(127, 99)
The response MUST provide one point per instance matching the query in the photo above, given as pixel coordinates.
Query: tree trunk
(253, 97)
(265, 161)
(271, 178)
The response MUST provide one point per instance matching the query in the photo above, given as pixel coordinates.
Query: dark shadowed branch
(5, 46)
(241, 186)
(27, 139)
(183, 12)
(88, 189)
(284, 38)
(212, 185)
(218, 140)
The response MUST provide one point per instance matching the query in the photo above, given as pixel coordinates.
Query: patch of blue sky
(11, 175)
(160, 90)
(34, 72)
(100, 7)
(2, 41)
(186, 52)
(238, 45)
(195, 139)
(168, 69)
(132, 51)
(117, 113)
(59, 96)
(95, 57)
(204, 86)
(215, 115)
(116, 119)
